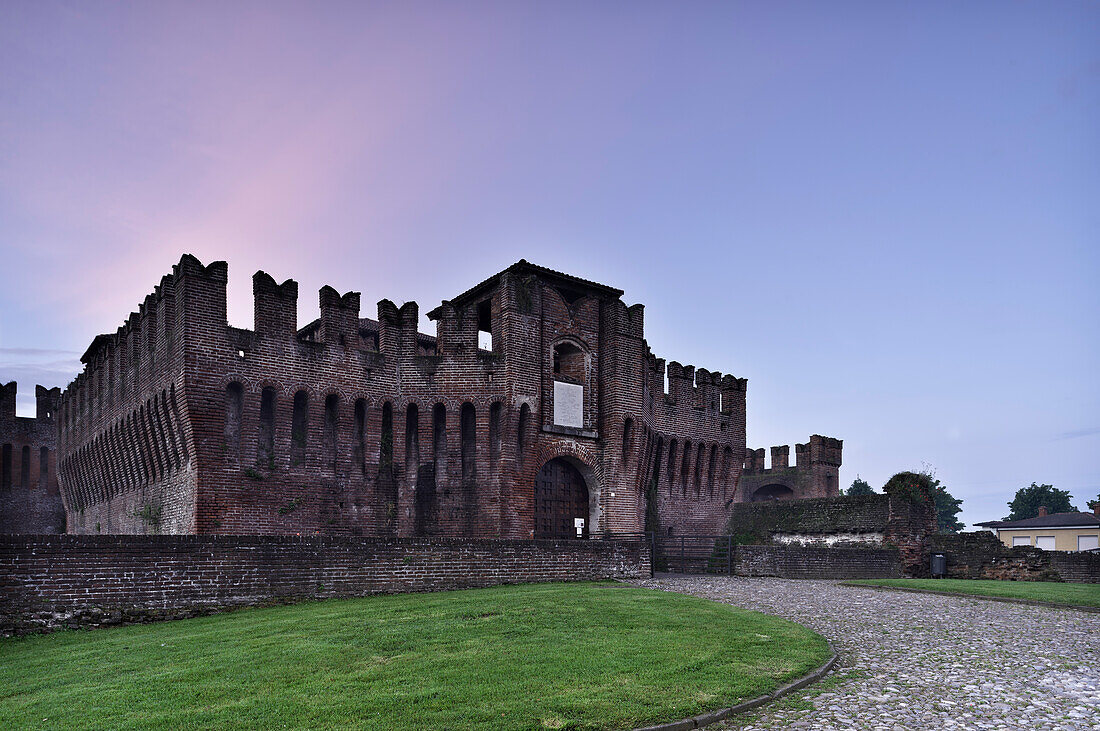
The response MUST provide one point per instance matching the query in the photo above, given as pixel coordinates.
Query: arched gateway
(561, 500)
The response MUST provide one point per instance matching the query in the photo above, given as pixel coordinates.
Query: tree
(1028, 500)
(1094, 504)
(925, 487)
(947, 507)
(860, 487)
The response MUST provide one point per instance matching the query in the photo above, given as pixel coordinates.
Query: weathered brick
(180, 423)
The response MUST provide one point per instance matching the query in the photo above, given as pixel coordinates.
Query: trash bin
(939, 564)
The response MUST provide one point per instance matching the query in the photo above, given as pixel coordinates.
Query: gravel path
(919, 661)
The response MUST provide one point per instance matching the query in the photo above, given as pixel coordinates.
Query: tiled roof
(525, 266)
(1053, 520)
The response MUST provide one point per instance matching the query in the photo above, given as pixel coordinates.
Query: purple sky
(884, 215)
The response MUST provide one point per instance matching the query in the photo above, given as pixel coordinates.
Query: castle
(536, 411)
(30, 499)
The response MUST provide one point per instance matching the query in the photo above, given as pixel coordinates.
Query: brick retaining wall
(71, 581)
(814, 562)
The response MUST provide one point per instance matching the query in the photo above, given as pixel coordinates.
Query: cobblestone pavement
(920, 661)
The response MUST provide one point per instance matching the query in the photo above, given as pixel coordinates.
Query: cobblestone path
(919, 661)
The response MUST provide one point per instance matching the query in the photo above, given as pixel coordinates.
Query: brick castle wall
(30, 498)
(67, 581)
(181, 423)
(815, 473)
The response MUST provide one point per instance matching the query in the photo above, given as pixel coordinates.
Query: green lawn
(535, 656)
(1047, 591)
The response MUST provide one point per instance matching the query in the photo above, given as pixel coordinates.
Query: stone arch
(772, 491)
(585, 462)
(561, 497)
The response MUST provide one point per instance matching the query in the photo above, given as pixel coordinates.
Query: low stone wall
(981, 555)
(815, 562)
(1077, 567)
(80, 581)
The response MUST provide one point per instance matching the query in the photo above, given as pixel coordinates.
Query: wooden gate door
(561, 496)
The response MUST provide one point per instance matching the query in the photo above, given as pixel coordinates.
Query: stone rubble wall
(981, 555)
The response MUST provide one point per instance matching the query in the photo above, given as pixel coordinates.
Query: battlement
(818, 451)
(191, 295)
(47, 401)
(275, 306)
(339, 317)
(370, 425)
(29, 498)
(628, 320)
(696, 388)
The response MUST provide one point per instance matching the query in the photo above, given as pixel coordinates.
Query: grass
(1047, 591)
(567, 656)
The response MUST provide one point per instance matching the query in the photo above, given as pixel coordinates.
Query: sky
(884, 215)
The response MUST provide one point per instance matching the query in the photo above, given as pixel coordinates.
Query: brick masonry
(30, 499)
(815, 473)
(814, 562)
(182, 424)
(981, 555)
(886, 520)
(85, 581)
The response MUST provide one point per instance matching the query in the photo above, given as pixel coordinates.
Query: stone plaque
(568, 404)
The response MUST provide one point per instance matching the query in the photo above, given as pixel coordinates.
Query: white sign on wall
(568, 404)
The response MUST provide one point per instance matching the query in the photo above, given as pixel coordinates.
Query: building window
(1021, 540)
(569, 363)
(1044, 542)
(1088, 543)
(485, 326)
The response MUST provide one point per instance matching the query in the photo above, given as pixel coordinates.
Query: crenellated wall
(349, 425)
(30, 501)
(125, 440)
(696, 445)
(815, 473)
